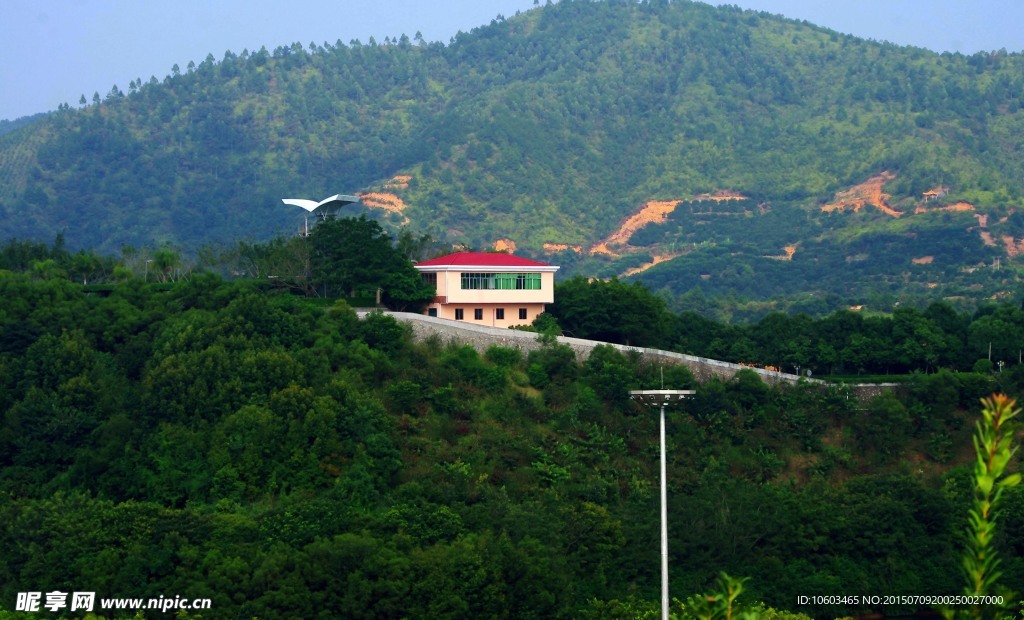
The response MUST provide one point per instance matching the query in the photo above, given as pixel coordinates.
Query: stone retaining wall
(481, 337)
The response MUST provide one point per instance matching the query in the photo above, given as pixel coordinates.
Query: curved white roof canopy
(337, 200)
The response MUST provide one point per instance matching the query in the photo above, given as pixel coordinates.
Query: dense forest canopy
(231, 441)
(556, 125)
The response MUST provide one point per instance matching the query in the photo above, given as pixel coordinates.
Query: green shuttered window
(501, 281)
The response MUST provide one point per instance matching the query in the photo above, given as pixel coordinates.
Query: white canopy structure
(322, 208)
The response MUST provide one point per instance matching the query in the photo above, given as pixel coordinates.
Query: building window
(528, 281)
(501, 281)
(478, 314)
(522, 314)
(499, 314)
(474, 281)
(430, 278)
(458, 314)
(432, 312)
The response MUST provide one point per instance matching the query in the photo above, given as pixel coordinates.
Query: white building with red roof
(499, 290)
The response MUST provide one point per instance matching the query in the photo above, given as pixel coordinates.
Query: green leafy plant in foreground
(993, 443)
(719, 605)
(722, 605)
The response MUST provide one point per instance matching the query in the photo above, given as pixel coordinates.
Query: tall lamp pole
(661, 398)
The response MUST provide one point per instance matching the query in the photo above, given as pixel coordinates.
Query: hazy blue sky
(54, 51)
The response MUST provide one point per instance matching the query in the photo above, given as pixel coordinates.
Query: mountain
(708, 151)
(7, 126)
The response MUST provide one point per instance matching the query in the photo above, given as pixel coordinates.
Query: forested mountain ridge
(554, 127)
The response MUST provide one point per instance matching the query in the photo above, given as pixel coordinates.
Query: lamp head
(660, 398)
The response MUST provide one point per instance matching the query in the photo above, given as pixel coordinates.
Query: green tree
(165, 263)
(611, 311)
(1000, 332)
(917, 341)
(353, 255)
(610, 373)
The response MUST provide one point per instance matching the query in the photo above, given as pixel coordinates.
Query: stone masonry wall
(481, 337)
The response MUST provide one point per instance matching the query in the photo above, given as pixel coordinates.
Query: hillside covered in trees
(859, 172)
(282, 457)
(217, 440)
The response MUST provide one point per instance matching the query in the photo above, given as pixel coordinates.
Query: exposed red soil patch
(1013, 248)
(924, 260)
(381, 200)
(385, 201)
(551, 248)
(789, 251)
(399, 181)
(505, 245)
(654, 211)
(868, 193)
(661, 258)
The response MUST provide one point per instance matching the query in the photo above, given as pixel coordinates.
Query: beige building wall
(488, 304)
(442, 283)
(489, 313)
(449, 284)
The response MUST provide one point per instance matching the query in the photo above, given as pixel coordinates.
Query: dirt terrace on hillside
(551, 248)
(399, 181)
(386, 200)
(867, 193)
(788, 250)
(658, 258)
(653, 212)
(719, 196)
(960, 206)
(382, 200)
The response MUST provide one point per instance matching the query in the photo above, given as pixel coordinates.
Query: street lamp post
(661, 398)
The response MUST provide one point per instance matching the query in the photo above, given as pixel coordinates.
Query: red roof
(481, 259)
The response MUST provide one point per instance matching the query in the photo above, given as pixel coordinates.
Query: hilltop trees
(341, 258)
(353, 255)
(611, 311)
